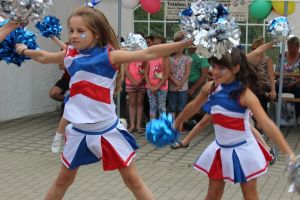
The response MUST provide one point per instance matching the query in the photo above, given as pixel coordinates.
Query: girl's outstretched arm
(205, 121)
(248, 99)
(59, 43)
(255, 55)
(41, 56)
(194, 106)
(155, 51)
(7, 28)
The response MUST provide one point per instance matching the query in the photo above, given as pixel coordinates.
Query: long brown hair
(99, 25)
(247, 75)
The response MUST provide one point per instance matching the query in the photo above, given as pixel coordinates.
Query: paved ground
(27, 167)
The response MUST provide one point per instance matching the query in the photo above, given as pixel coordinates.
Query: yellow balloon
(278, 7)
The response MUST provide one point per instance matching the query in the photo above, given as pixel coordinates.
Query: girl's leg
(161, 98)
(152, 103)
(172, 100)
(140, 108)
(132, 109)
(134, 182)
(249, 190)
(215, 189)
(63, 181)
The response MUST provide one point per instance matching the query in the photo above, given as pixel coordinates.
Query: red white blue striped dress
(234, 155)
(95, 132)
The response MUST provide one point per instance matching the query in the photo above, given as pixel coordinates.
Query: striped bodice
(230, 119)
(92, 85)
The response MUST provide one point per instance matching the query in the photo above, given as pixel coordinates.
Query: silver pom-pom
(279, 29)
(206, 11)
(134, 42)
(22, 10)
(214, 32)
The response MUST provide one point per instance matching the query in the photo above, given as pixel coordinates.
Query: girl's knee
(65, 178)
(133, 181)
(214, 194)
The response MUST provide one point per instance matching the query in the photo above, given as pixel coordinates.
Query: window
(156, 24)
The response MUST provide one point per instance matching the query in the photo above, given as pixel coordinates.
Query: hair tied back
(91, 3)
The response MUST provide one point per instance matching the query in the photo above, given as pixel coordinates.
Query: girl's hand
(272, 95)
(191, 91)
(135, 82)
(178, 83)
(155, 89)
(23, 23)
(292, 158)
(19, 23)
(20, 48)
(178, 126)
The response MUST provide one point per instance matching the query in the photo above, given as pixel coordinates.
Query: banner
(174, 7)
(239, 9)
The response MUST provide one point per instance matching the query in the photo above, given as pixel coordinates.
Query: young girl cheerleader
(93, 60)
(235, 155)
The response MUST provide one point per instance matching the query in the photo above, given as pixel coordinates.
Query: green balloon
(260, 9)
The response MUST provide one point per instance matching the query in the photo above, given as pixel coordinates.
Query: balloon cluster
(279, 29)
(134, 42)
(7, 46)
(150, 6)
(160, 132)
(214, 32)
(22, 10)
(294, 175)
(49, 27)
(260, 9)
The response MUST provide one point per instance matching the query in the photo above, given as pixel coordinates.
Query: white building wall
(24, 90)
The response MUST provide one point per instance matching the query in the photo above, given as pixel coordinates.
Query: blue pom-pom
(7, 47)
(160, 132)
(49, 27)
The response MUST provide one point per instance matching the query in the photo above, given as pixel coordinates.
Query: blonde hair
(257, 42)
(99, 25)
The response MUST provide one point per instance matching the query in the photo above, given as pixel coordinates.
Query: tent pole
(119, 39)
(279, 101)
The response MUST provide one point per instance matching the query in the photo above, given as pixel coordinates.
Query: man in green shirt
(198, 74)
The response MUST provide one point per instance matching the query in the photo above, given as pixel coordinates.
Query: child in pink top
(136, 89)
(156, 76)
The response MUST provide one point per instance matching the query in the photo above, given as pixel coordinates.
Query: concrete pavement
(27, 167)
